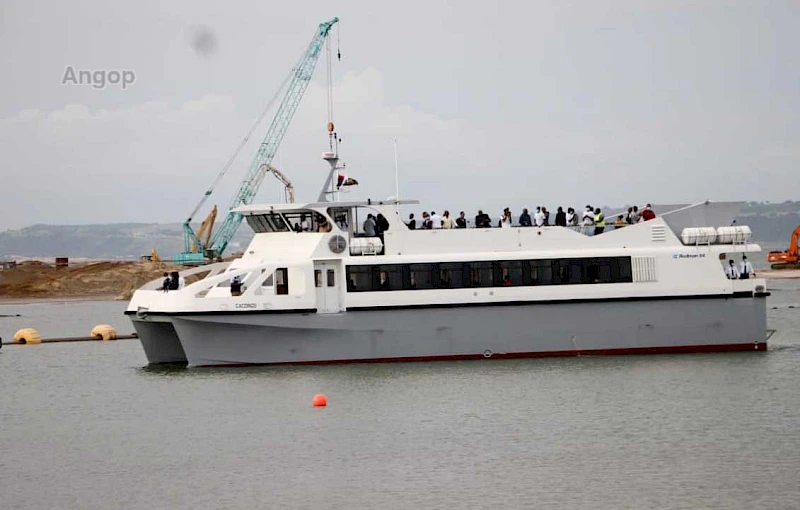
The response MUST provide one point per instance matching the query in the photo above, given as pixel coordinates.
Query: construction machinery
(196, 251)
(205, 230)
(788, 259)
(153, 257)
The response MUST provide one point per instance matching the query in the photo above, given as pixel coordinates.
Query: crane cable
(244, 141)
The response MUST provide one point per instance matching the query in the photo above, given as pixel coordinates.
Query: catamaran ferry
(329, 293)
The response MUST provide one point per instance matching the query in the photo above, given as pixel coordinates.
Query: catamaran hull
(417, 334)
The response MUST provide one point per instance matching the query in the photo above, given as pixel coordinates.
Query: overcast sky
(493, 104)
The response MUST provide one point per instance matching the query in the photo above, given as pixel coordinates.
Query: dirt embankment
(106, 280)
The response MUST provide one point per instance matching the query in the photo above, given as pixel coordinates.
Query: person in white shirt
(305, 224)
(572, 218)
(436, 220)
(181, 282)
(636, 216)
(731, 272)
(538, 217)
(746, 269)
(587, 219)
(505, 221)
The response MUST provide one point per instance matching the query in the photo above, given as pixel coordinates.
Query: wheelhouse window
(307, 221)
(271, 222)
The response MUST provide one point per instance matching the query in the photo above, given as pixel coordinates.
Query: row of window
(504, 273)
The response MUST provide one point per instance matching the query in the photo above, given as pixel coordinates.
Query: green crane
(194, 251)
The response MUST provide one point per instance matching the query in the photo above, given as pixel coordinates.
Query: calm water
(86, 426)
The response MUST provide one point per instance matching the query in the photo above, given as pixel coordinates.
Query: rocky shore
(35, 280)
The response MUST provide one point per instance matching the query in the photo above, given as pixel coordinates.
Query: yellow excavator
(204, 232)
(153, 257)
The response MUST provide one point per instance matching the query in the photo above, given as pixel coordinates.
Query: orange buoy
(319, 400)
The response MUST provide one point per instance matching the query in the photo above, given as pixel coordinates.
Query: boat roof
(267, 208)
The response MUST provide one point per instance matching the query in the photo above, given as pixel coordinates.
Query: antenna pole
(396, 178)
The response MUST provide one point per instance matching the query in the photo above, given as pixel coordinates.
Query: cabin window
(268, 281)
(282, 281)
(420, 276)
(317, 278)
(388, 276)
(481, 274)
(359, 279)
(451, 275)
(508, 273)
(331, 278)
(540, 272)
(501, 273)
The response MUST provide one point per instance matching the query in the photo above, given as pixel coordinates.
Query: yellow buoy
(104, 332)
(27, 336)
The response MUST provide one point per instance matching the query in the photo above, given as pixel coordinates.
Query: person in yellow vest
(599, 221)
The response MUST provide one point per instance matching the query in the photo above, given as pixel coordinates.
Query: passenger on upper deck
(461, 221)
(447, 221)
(426, 220)
(525, 218)
(505, 221)
(369, 225)
(412, 223)
(561, 218)
(588, 217)
(305, 224)
(599, 221)
(538, 217)
(546, 216)
(629, 216)
(482, 220)
(648, 213)
(436, 220)
(381, 225)
(572, 218)
(635, 214)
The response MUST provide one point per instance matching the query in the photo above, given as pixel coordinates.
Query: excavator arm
(205, 230)
(285, 181)
(794, 241)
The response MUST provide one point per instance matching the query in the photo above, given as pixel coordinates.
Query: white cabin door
(327, 283)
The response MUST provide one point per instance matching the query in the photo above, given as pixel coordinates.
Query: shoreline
(55, 299)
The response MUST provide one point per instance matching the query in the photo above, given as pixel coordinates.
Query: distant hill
(109, 241)
(771, 223)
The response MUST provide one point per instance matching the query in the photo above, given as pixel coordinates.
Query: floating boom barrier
(100, 333)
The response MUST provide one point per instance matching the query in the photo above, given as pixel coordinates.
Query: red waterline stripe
(680, 349)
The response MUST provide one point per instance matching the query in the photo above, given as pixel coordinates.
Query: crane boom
(301, 76)
(298, 81)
